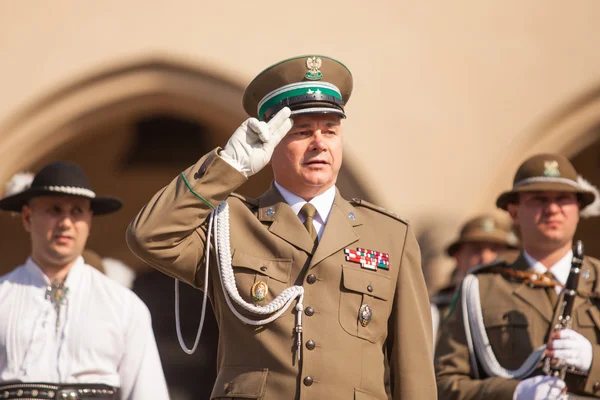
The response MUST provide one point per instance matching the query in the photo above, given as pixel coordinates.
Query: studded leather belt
(51, 391)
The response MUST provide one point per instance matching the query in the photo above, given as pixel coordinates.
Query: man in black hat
(313, 294)
(66, 330)
(508, 336)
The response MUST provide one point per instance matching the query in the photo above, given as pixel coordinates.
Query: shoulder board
(366, 204)
(478, 269)
(248, 200)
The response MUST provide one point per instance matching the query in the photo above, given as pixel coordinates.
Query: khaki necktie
(308, 211)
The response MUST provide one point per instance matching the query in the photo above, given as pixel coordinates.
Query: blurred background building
(449, 98)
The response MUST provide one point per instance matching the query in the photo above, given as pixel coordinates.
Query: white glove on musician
(571, 348)
(250, 147)
(540, 388)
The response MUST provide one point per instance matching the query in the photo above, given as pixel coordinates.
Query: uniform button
(310, 344)
(370, 288)
(309, 311)
(263, 268)
(308, 381)
(596, 386)
(311, 279)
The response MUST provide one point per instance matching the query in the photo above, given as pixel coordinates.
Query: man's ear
(26, 217)
(513, 211)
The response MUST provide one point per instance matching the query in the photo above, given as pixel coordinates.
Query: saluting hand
(250, 147)
(571, 348)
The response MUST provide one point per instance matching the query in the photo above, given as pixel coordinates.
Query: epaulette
(483, 268)
(248, 200)
(363, 203)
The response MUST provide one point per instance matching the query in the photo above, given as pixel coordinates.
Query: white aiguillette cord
(277, 307)
(478, 342)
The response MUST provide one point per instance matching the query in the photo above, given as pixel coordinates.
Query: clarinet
(564, 318)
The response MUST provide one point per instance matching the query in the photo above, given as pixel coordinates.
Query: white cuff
(233, 162)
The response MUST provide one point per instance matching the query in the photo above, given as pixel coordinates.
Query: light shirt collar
(560, 269)
(323, 202)
(39, 278)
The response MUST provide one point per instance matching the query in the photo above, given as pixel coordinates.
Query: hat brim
(480, 238)
(512, 197)
(99, 205)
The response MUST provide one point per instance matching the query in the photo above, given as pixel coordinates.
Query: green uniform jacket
(517, 319)
(269, 243)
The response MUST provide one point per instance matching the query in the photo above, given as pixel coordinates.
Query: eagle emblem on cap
(551, 168)
(313, 64)
(488, 225)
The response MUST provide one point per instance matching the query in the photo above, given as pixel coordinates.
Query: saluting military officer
(510, 310)
(482, 239)
(313, 294)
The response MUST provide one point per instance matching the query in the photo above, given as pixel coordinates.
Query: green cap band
(297, 89)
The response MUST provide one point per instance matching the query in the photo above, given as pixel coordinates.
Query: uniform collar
(323, 202)
(560, 269)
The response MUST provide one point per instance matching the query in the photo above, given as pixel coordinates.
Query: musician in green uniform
(500, 333)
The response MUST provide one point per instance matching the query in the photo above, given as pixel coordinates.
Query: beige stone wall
(449, 96)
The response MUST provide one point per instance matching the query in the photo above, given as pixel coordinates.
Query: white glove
(250, 147)
(540, 388)
(573, 349)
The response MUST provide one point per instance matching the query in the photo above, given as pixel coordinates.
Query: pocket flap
(240, 382)
(499, 317)
(367, 282)
(276, 268)
(360, 394)
(588, 317)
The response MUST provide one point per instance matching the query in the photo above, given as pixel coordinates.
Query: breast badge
(259, 291)
(365, 315)
(368, 259)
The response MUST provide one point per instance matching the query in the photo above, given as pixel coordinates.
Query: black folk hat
(61, 178)
(306, 84)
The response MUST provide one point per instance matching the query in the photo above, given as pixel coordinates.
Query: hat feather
(592, 210)
(20, 182)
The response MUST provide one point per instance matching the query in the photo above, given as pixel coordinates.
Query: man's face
(470, 254)
(547, 220)
(308, 159)
(59, 227)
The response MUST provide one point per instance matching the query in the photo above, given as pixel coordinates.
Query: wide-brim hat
(61, 178)
(485, 229)
(546, 172)
(306, 84)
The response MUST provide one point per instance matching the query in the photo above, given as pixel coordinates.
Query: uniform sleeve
(453, 370)
(140, 369)
(410, 331)
(592, 381)
(169, 233)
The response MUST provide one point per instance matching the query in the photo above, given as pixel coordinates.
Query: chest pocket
(588, 322)
(508, 332)
(240, 383)
(248, 270)
(362, 289)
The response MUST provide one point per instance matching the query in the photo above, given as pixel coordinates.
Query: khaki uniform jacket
(270, 244)
(517, 319)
